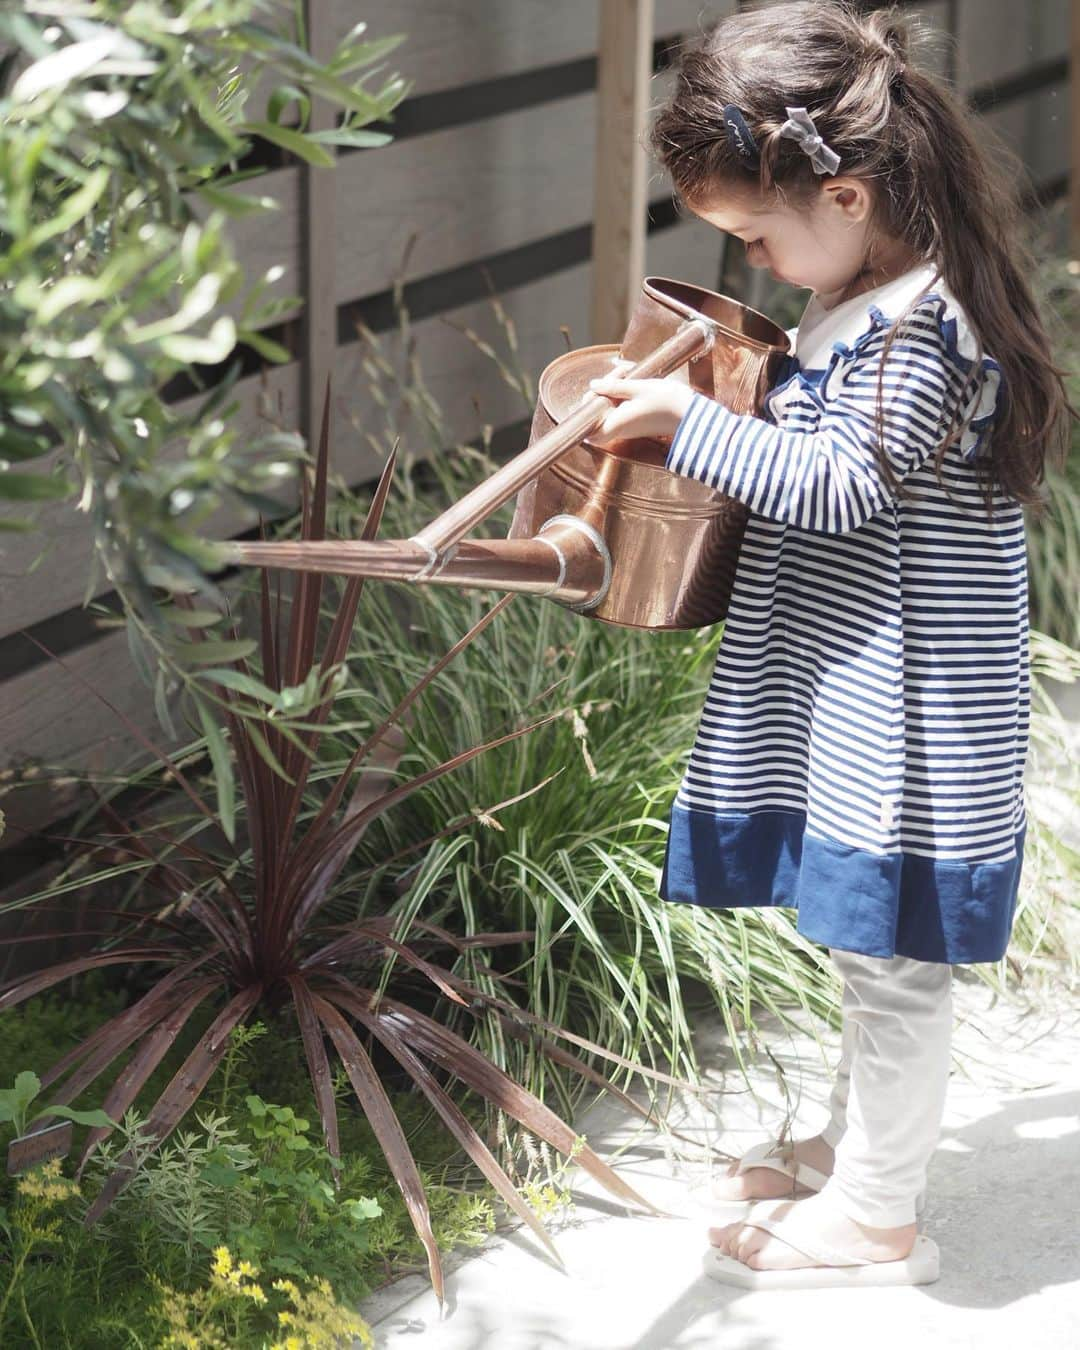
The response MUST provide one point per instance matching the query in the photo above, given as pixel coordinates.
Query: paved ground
(1003, 1206)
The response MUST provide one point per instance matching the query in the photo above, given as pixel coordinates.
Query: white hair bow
(800, 127)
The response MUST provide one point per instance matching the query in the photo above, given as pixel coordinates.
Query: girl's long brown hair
(948, 190)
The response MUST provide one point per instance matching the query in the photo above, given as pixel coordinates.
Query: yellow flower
(45, 1183)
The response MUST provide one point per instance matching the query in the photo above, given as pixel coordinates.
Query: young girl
(861, 749)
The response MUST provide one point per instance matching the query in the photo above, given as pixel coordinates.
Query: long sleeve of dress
(828, 479)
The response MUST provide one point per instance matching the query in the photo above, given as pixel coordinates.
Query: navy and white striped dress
(861, 750)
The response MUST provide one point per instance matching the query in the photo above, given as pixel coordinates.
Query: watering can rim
(662, 297)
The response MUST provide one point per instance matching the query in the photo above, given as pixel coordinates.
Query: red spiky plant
(235, 938)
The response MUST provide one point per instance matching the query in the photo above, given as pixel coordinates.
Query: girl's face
(821, 245)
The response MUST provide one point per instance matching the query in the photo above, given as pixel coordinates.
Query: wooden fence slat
(1001, 39)
(465, 42)
(621, 165)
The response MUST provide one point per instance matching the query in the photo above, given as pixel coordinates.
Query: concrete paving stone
(1003, 1206)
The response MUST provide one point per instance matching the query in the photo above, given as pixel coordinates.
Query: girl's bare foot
(818, 1219)
(765, 1183)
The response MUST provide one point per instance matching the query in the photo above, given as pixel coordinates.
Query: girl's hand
(642, 407)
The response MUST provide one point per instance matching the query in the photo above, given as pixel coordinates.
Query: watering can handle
(691, 339)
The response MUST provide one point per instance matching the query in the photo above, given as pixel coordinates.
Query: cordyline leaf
(132, 1078)
(337, 643)
(554, 1052)
(456, 1121)
(462, 942)
(185, 1085)
(319, 1067)
(386, 1126)
(61, 1066)
(360, 932)
(435, 1042)
(125, 1027)
(511, 1022)
(515, 1014)
(373, 783)
(17, 990)
(238, 942)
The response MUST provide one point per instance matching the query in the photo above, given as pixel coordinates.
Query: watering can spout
(567, 560)
(603, 529)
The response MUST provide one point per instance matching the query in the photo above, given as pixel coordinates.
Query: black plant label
(54, 1141)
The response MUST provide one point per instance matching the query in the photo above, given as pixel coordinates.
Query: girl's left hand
(642, 407)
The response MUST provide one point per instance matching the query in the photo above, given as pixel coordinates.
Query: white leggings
(888, 1100)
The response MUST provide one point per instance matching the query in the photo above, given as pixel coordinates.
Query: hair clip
(738, 133)
(800, 127)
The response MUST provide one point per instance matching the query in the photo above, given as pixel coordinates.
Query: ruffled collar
(826, 341)
(820, 329)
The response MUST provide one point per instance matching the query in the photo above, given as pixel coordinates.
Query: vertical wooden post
(624, 67)
(1074, 128)
(319, 245)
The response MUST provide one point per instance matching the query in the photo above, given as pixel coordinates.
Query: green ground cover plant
(246, 1176)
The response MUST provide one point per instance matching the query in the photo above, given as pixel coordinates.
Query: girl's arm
(827, 479)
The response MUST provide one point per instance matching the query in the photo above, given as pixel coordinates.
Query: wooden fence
(491, 176)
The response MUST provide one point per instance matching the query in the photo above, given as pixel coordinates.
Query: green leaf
(15, 1100)
(266, 347)
(21, 445)
(235, 204)
(190, 618)
(280, 99)
(209, 350)
(69, 63)
(350, 55)
(72, 209)
(359, 138)
(32, 487)
(224, 779)
(293, 141)
(364, 1208)
(203, 653)
(243, 684)
(79, 1117)
(161, 704)
(68, 291)
(258, 741)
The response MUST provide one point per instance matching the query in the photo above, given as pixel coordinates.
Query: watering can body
(674, 543)
(607, 531)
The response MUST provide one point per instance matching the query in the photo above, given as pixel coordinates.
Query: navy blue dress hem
(879, 904)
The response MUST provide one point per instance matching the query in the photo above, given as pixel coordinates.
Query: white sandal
(922, 1265)
(779, 1159)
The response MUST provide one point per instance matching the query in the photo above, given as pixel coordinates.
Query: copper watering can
(608, 532)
